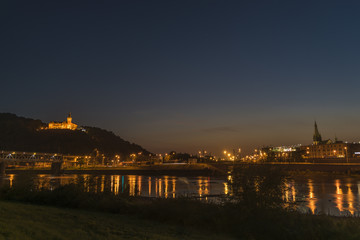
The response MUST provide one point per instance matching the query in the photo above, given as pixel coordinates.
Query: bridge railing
(30, 157)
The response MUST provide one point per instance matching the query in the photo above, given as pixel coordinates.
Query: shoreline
(217, 170)
(180, 170)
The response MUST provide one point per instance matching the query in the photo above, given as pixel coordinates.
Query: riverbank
(166, 220)
(201, 169)
(155, 170)
(25, 221)
(347, 168)
(256, 210)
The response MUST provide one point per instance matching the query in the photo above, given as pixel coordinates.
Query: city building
(280, 154)
(319, 151)
(322, 149)
(68, 124)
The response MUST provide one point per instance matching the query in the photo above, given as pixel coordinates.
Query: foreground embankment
(25, 221)
(255, 209)
(81, 215)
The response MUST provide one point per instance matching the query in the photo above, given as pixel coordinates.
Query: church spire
(69, 118)
(317, 137)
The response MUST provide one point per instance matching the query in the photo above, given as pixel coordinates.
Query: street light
(225, 153)
(346, 155)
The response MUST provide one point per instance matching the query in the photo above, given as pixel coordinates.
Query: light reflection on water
(311, 199)
(134, 185)
(321, 194)
(334, 196)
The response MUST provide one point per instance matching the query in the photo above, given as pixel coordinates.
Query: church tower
(317, 137)
(69, 119)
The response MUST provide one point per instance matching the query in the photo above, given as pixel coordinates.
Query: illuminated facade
(337, 149)
(329, 148)
(319, 151)
(326, 150)
(282, 153)
(63, 125)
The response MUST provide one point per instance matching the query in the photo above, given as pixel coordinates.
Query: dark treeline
(23, 134)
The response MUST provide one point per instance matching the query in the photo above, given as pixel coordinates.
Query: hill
(23, 134)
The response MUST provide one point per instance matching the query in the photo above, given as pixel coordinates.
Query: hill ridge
(19, 133)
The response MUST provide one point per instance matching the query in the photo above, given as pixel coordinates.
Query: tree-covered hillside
(23, 134)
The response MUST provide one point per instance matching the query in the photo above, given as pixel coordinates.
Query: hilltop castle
(63, 125)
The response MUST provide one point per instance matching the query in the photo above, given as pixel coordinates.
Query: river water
(334, 195)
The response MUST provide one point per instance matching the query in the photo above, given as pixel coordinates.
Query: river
(334, 195)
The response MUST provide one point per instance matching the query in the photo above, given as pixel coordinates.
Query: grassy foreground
(255, 210)
(24, 221)
(105, 217)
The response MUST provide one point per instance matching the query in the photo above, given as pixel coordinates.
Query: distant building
(319, 151)
(329, 149)
(63, 125)
(280, 154)
(317, 139)
(192, 160)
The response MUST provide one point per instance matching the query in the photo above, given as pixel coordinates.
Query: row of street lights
(236, 155)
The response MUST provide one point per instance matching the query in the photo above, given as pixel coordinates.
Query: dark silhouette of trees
(23, 134)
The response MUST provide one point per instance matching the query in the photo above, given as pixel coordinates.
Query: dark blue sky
(186, 75)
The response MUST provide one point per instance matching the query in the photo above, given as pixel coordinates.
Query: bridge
(11, 157)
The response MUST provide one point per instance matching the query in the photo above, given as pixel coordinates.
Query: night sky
(186, 75)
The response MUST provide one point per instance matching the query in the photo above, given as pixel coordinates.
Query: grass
(255, 211)
(23, 221)
(80, 215)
